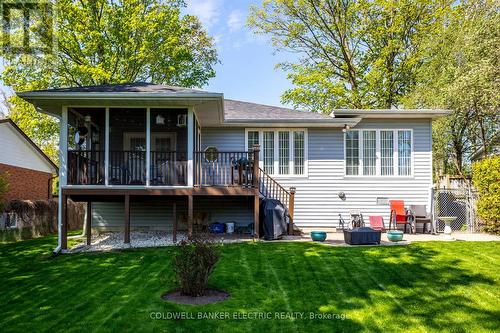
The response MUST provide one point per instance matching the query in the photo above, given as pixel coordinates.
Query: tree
(461, 73)
(109, 41)
(351, 53)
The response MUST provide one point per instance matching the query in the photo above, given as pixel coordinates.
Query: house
(149, 156)
(29, 171)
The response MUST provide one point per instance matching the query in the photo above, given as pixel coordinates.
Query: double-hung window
(379, 152)
(282, 151)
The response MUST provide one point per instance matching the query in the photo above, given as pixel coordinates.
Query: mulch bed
(211, 296)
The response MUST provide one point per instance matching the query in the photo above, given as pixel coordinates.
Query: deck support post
(291, 209)
(256, 173)
(256, 215)
(190, 216)
(127, 220)
(64, 222)
(89, 222)
(174, 222)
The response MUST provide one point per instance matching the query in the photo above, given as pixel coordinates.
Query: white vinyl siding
(284, 152)
(404, 152)
(369, 153)
(387, 153)
(317, 203)
(268, 148)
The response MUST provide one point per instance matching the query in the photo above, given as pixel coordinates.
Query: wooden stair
(269, 188)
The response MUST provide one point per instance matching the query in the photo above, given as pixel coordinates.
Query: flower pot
(395, 235)
(318, 236)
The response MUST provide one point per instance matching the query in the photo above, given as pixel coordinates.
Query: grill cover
(273, 219)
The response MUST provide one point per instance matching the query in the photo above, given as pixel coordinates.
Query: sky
(247, 62)
(247, 69)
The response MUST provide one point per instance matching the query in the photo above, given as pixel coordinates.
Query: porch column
(256, 215)
(63, 172)
(148, 146)
(256, 171)
(127, 220)
(64, 223)
(190, 146)
(106, 148)
(190, 215)
(174, 221)
(89, 222)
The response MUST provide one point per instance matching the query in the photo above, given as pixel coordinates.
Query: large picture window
(378, 152)
(283, 152)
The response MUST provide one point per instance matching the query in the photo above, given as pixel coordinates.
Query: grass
(434, 286)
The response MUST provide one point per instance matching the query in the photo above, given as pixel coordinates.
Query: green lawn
(422, 287)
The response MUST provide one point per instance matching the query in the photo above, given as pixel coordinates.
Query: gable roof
(31, 143)
(214, 109)
(135, 87)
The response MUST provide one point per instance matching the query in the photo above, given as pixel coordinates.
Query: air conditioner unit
(182, 120)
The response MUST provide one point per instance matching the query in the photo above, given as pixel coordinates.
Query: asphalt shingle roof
(252, 111)
(136, 87)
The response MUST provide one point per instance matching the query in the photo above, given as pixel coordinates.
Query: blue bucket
(217, 228)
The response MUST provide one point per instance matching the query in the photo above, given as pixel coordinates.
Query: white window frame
(291, 166)
(378, 167)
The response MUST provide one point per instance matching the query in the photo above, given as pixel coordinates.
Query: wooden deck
(172, 197)
(244, 180)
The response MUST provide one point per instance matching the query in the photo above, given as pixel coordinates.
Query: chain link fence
(457, 202)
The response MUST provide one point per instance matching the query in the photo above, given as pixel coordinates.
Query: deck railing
(127, 167)
(213, 168)
(168, 168)
(270, 188)
(85, 167)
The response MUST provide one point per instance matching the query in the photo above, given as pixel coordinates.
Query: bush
(193, 262)
(486, 179)
(39, 218)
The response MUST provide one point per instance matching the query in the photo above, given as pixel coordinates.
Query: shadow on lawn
(385, 288)
(417, 287)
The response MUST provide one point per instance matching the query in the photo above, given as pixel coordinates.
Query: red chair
(399, 215)
(377, 223)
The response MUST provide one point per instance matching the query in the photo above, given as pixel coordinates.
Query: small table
(447, 228)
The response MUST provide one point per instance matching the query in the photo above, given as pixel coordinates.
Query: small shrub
(486, 179)
(193, 262)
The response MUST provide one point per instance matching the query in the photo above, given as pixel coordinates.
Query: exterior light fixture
(346, 127)
(160, 120)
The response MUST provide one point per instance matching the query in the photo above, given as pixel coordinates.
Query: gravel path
(114, 240)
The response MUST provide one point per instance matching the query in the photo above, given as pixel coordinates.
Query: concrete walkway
(335, 237)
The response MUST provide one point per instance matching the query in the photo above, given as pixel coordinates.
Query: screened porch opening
(127, 160)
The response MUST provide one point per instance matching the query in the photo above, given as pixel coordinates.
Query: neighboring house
(143, 147)
(29, 170)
